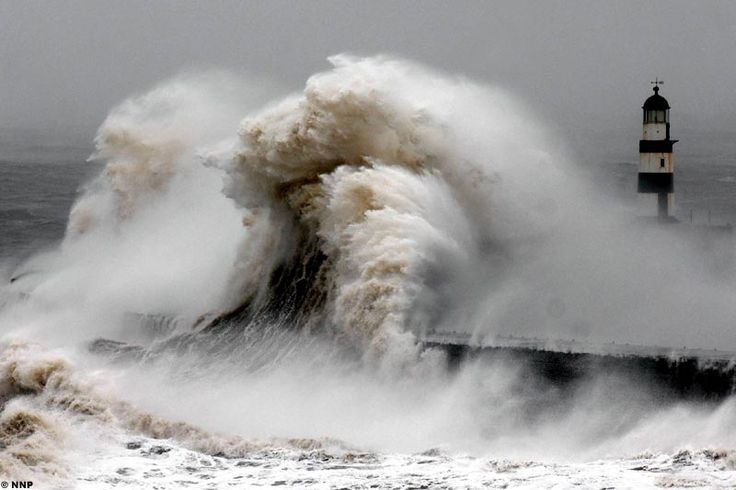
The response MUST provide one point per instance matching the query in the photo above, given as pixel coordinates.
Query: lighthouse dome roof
(656, 102)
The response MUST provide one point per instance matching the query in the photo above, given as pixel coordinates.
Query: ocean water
(36, 198)
(232, 292)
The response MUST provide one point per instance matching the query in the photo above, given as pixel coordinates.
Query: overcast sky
(65, 63)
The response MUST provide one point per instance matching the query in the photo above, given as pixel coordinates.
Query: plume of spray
(410, 181)
(152, 233)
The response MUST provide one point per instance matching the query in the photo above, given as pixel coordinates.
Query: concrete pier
(694, 374)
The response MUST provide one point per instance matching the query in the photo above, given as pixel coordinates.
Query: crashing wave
(372, 206)
(380, 194)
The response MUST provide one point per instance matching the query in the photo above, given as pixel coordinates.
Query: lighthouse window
(661, 162)
(655, 117)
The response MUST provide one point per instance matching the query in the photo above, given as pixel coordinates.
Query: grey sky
(63, 64)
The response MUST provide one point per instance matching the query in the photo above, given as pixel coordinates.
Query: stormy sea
(231, 288)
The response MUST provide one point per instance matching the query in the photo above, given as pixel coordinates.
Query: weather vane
(657, 81)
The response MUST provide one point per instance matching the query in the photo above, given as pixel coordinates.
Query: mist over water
(269, 265)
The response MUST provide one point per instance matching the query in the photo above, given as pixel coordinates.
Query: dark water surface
(35, 199)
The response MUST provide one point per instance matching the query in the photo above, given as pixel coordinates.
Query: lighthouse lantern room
(656, 172)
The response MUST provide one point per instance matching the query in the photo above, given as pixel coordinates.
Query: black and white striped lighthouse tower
(656, 171)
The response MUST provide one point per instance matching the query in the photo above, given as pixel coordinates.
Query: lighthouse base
(656, 205)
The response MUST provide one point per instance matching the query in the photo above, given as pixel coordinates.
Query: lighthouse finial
(656, 84)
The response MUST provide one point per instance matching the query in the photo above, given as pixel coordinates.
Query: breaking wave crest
(380, 169)
(360, 206)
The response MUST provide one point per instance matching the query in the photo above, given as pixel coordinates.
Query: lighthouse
(656, 172)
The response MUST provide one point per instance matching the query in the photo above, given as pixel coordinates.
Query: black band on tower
(655, 183)
(656, 146)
